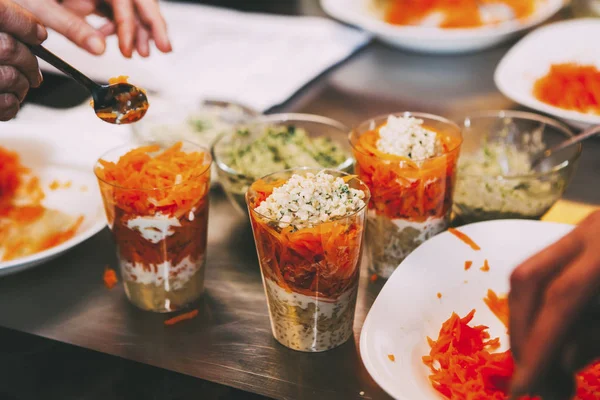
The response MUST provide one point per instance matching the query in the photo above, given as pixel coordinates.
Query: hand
(135, 22)
(18, 67)
(554, 320)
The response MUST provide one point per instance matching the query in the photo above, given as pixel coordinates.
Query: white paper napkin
(254, 59)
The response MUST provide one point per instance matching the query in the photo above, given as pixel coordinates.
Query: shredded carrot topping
(181, 317)
(146, 181)
(439, 295)
(401, 188)
(110, 277)
(570, 86)
(391, 357)
(456, 13)
(373, 278)
(468, 265)
(463, 364)
(321, 260)
(486, 266)
(464, 238)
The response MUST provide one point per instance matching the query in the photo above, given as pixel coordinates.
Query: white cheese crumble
(305, 201)
(406, 137)
(154, 229)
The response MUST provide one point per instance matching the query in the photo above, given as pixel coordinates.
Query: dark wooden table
(64, 336)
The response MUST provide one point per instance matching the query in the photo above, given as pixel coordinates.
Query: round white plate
(570, 41)
(408, 310)
(431, 39)
(81, 198)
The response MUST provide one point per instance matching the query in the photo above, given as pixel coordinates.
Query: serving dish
(408, 308)
(530, 59)
(362, 14)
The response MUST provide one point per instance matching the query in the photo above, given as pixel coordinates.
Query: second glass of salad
(308, 227)
(408, 161)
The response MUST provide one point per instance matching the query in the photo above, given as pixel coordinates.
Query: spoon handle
(594, 130)
(63, 66)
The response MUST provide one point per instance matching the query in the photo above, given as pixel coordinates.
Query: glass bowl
(236, 182)
(495, 180)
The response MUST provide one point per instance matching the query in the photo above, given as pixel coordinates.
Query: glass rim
(279, 118)
(291, 171)
(413, 114)
(564, 128)
(133, 146)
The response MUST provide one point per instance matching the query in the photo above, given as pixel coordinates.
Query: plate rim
(529, 100)
(364, 333)
(378, 27)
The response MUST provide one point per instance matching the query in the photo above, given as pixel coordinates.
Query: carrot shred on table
(373, 278)
(56, 184)
(464, 365)
(439, 295)
(486, 266)
(110, 277)
(468, 265)
(392, 357)
(181, 317)
(465, 238)
(570, 86)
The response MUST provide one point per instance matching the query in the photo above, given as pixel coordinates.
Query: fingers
(108, 29)
(529, 281)
(21, 24)
(9, 106)
(564, 300)
(12, 81)
(16, 54)
(125, 20)
(149, 14)
(143, 41)
(70, 25)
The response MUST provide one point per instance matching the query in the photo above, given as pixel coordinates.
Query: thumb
(19, 23)
(70, 25)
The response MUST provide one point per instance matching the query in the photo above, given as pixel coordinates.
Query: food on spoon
(125, 114)
(497, 182)
(252, 153)
(26, 226)
(409, 167)
(308, 230)
(456, 13)
(570, 86)
(156, 202)
(464, 364)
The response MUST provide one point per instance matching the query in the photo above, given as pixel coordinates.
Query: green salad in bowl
(278, 142)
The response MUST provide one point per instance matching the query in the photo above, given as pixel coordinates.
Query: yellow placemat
(569, 212)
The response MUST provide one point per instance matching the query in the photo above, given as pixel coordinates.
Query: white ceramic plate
(81, 198)
(570, 41)
(431, 39)
(408, 310)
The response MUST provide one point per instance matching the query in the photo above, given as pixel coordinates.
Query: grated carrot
(392, 357)
(464, 238)
(468, 265)
(110, 277)
(181, 317)
(146, 181)
(463, 364)
(570, 86)
(455, 13)
(439, 295)
(55, 185)
(486, 266)
(373, 278)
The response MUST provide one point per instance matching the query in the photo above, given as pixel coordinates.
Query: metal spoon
(119, 103)
(574, 140)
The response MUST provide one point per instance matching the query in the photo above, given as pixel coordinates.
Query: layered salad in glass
(408, 161)
(156, 202)
(308, 227)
